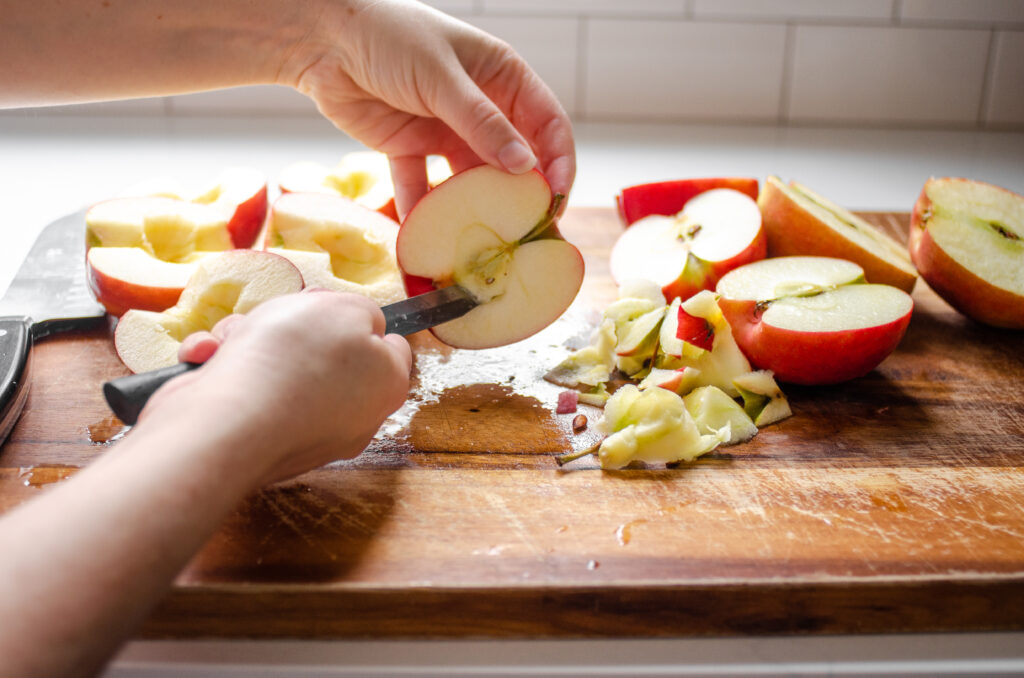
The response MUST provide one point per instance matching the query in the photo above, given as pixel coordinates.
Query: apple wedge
(363, 176)
(717, 231)
(232, 282)
(494, 234)
(967, 242)
(337, 244)
(668, 198)
(798, 221)
(813, 320)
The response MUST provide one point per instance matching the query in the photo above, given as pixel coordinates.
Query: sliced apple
(716, 413)
(717, 231)
(800, 222)
(763, 400)
(668, 198)
(494, 234)
(813, 320)
(362, 176)
(337, 244)
(232, 282)
(967, 241)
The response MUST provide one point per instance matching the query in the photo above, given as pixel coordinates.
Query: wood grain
(891, 503)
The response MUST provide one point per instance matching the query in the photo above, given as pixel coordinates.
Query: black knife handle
(15, 346)
(126, 396)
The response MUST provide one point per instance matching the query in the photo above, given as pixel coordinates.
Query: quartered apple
(798, 221)
(231, 282)
(668, 198)
(813, 320)
(337, 244)
(494, 234)
(683, 254)
(967, 241)
(142, 250)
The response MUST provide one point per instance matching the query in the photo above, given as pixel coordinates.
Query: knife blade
(126, 396)
(48, 295)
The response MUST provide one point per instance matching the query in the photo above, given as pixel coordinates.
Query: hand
(311, 371)
(410, 81)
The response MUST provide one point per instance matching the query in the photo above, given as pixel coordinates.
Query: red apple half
(337, 244)
(812, 320)
(669, 197)
(494, 234)
(967, 241)
(798, 221)
(717, 231)
(231, 282)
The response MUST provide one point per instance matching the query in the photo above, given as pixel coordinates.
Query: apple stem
(564, 459)
(546, 222)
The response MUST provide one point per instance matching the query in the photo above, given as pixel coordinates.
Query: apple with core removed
(717, 231)
(337, 244)
(798, 221)
(812, 320)
(231, 282)
(967, 241)
(668, 198)
(494, 234)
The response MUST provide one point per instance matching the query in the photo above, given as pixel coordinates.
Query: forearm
(83, 564)
(86, 50)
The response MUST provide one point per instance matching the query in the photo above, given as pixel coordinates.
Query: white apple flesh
(494, 234)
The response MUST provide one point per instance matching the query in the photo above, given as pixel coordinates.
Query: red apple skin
(792, 230)
(958, 286)
(707, 278)
(669, 197)
(810, 358)
(246, 223)
(117, 296)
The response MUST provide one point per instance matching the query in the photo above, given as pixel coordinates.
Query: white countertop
(52, 165)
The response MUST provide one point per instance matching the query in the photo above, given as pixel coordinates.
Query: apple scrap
(687, 378)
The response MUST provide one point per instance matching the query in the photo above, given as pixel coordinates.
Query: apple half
(231, 282)
(337, 244)
(668, 198)
(494, 234)
(798, 221)
(812, 320)
(717, 231)
(967, 241)
(362, 176)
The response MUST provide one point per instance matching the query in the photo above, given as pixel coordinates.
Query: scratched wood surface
(891, 503)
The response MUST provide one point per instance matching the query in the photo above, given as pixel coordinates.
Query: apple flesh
(494, 234)
(813, 320)
(683, 254)
(668, 198)
(337, 244)
(967, 241)
(362, 176)
(231, 282)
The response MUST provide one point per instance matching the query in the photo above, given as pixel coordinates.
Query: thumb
(471, 114)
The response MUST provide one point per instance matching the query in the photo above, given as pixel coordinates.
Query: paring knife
(48, 295)
(126, 396)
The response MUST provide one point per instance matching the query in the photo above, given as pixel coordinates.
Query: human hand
(311, 374)
(410, 81)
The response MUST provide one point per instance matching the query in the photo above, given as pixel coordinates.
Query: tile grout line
(985, 104)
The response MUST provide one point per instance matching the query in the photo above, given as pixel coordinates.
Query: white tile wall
(910, 63)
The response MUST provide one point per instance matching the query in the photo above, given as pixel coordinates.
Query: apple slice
(801, 222)
(717, 231)
(715, 413)
(337, 244)
(763, 400)
(232, 282)
(813, 320)
(967, 241)
(494, 234)
(668, 198)
(129, 277)
(363, 176)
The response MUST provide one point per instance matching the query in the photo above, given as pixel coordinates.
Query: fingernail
(516, 158)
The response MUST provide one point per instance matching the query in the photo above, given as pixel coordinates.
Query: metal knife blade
(48, 294)
(126, 396)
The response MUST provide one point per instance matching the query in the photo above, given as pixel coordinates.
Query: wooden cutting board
(891, 503)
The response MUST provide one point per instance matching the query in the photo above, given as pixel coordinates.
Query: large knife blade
(126, 396)
(48, 295)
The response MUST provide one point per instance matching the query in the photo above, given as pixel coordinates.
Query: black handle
(15, 345)
(126, 396)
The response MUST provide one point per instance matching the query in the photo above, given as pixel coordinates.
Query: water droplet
(593, 564)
